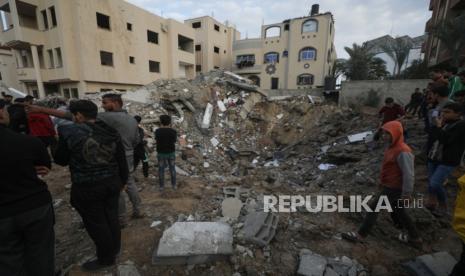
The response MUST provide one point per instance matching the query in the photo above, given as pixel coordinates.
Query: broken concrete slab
(231, 207)
(311, 264)
(359, 137)
(194, 243)
(207, 116)
(127, 270)
(437, 264)
(260, 227)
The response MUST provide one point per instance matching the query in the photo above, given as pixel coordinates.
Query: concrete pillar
(35, 60)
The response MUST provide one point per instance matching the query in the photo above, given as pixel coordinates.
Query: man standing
(96, 159)
(127, 127)
(445, 154)
(27, 238)
(18, 117)
(391, 111)
(454, 81)
(166, 138)
(415, 101)
(116, 117)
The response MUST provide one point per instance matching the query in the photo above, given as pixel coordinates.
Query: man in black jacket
(27, 237)
(445, 154)
(99, 171)
(18, 117)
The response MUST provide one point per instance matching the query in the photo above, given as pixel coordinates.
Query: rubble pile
(240, 145)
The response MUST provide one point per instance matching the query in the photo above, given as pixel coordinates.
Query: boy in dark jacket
(166, 138)
(445, 154)
(96, 158)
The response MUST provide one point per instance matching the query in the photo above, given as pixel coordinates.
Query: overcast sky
(356, 20)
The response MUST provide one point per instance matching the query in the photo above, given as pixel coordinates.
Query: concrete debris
(155, 224)
(359, 136)
(127, 270)
(207, 116)
(260, 227)
(325, 167)
(437, 264)
(194, 243)
(311, 264)
(231, 207)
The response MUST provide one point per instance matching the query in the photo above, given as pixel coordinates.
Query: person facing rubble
(445, 155)
(140, 154)
(27, 237)
(396, 182)
(97, 161)
(40, 125)
(166, 138)
(116, 117)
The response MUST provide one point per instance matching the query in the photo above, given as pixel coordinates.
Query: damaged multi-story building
(71, 48)
(297, 53)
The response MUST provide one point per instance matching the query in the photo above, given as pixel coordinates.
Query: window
(271, 57)
(330, 28)
(1, 76)
(132, 60)
(45, 19)
(216, 67)
(152, 37)
(286, 27)
(307, 53)
(198, 47)
(273, 31)
(305, 79)
(285, 53)
(154, 66)
(129, 26)
(255, 80)
(197, 25)
(103, 21)
(53, 16)
(106, 58)
(198, 68)
(310, 26)
(51, 60)
(216, 50)
(217, 28)
(245, 61)
(225, 51)
(75, 93)
(66, 93)
(59, 58)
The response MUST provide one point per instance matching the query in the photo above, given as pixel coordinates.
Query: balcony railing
(248, 69)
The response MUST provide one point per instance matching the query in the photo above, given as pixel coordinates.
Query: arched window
(310, 26)
(307, 53)
(255, 80)
(273, 31)
(271, 57)
(305, 79)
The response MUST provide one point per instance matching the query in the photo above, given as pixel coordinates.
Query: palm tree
(398, 51)
(358, 65)
(418, 69)
(377, 69)
(338, 68)
(451, 32)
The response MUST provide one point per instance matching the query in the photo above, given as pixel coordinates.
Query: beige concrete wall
(8, 70)
(208, 38)
(373, 92)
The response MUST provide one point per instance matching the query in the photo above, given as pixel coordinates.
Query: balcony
(26, 74)
(429, 25)
(186, 57)
(7, 36)
(255, 69)
(431, 4)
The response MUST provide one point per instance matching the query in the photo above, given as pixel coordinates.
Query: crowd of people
(102, 151)
(442, 106)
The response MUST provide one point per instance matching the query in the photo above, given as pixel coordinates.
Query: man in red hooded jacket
(396, 183)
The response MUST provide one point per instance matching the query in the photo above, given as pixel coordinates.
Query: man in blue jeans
(166, 138)
(445, 154)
